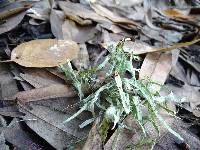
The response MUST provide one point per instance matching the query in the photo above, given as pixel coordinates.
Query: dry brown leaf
(175, 13)
(40, 77)
(52, 91)
(110, 15)
(156, 66)
(45, 53)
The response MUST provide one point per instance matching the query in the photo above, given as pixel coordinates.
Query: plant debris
(106, 74)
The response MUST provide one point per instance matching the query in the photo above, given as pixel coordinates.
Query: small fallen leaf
(45, 53)
(156, 66)
(78, 12)
(175, 13)
(102, 11)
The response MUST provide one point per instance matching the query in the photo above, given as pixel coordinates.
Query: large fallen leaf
(49, 126)
(156, 67)
(52, 91)
(45, 53)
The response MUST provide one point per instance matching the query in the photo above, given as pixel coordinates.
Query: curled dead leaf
(45, 53)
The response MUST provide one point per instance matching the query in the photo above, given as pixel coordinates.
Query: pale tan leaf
(156, 66)
(45, 53)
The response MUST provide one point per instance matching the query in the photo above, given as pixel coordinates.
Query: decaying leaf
(44, 53)
(48, 125)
